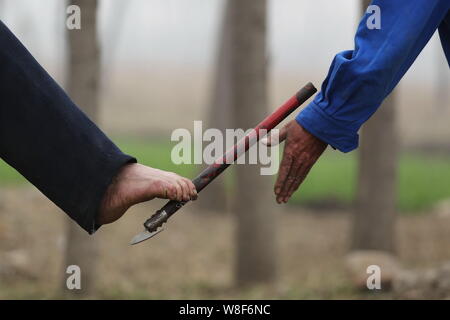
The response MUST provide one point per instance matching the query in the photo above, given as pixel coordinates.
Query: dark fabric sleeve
(444, 33)
(49, 140)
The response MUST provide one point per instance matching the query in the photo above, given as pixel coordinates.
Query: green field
(423, 180)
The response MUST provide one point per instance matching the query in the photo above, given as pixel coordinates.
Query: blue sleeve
(360, 79)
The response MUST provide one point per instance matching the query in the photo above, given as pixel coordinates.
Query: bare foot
(137, 183)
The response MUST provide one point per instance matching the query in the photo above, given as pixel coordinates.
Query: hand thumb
(275, 137)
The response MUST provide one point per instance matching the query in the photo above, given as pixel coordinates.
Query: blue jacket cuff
(314, 120)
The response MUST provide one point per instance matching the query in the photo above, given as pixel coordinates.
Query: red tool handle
(223, 162)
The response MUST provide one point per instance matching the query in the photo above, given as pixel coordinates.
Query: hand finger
(186, 189)
(285, 166)
(176, 180)
(182, 188)
(302, 174)
(192, 189)
(301, 177)
(166, 191)
(270, 139)
(178, 189)
(291, 178)
(189, 189)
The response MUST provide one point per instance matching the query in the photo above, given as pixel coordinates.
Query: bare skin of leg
(137, 183)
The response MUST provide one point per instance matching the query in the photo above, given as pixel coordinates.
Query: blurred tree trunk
(375, 216)
(83, 72)
(110, 42)
(442, 81)
(214, 198)
(253, 206)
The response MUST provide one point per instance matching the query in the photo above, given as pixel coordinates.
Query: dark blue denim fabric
(49, 140)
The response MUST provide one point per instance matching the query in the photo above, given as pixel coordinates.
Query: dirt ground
(193, 257)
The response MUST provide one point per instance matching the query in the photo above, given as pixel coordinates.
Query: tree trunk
(253, 208)
(110, 42)
(83, 84)
(442, 81)
(214, 198)
(374, 221)
(375, 210)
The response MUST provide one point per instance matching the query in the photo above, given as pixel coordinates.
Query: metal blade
(144, 236)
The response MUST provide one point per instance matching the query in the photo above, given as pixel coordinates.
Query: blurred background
(142, 68)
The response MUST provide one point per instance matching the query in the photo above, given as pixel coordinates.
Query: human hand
(137, 183)
(301, 152)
